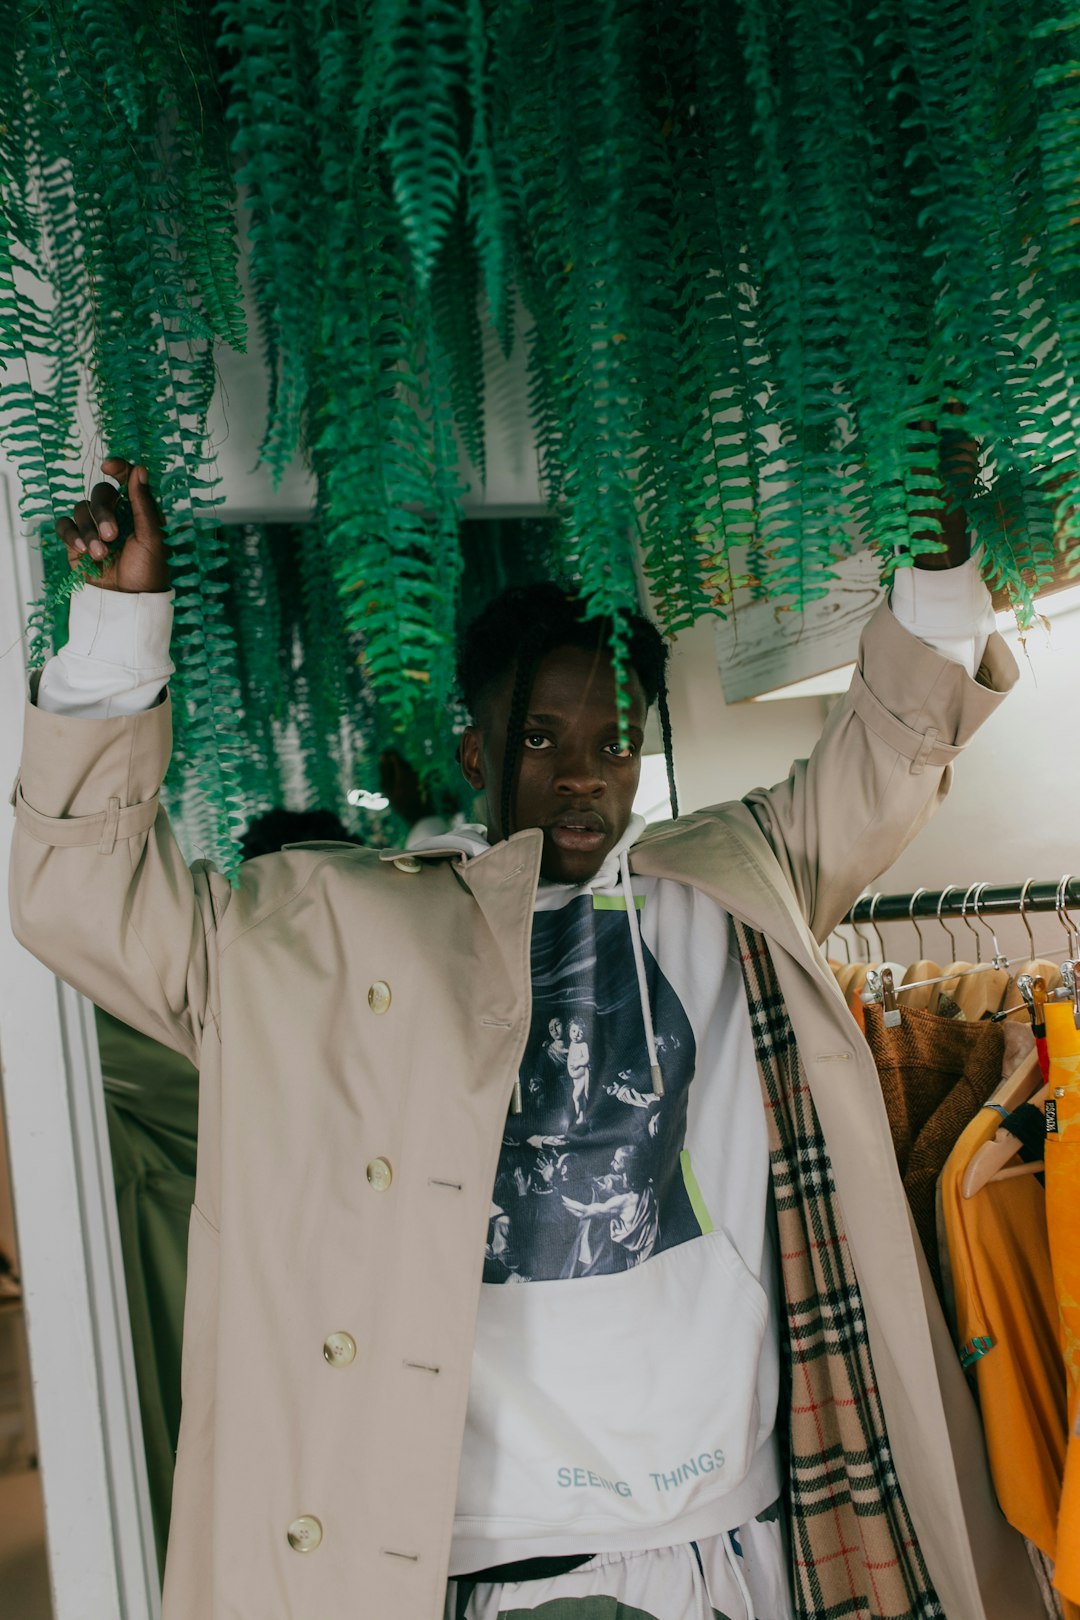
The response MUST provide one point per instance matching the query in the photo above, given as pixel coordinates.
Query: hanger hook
(967, 925)
(999, 958)
(911, 919)
(1023, 915)
(874, 926)
(859, 935)
(1063, 916)
(941, 921)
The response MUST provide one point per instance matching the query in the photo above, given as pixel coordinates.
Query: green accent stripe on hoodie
(693, 1192)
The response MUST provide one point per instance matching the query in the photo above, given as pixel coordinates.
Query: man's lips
(582, 830)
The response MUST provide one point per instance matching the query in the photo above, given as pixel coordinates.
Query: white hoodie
(626, 1365)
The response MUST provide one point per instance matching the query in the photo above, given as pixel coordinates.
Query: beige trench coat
(358, 1026)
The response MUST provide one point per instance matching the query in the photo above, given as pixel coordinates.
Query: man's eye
(629, 752)
(535, 739)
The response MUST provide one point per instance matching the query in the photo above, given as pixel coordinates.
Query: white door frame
(102, 1559)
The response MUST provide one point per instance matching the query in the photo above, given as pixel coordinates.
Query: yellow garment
(1063, 1221)
(1007, 1327)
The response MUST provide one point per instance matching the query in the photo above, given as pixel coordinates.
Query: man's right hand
(141, 563)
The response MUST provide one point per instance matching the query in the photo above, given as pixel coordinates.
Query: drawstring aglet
(515, 1101)
(657, 1080)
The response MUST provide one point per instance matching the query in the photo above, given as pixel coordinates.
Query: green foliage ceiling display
(763, 246)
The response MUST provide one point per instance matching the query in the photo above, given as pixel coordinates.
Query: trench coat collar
(502, 879)
(724, 854)
(721, 852)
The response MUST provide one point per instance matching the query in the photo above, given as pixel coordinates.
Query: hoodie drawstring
(735, 1565)
(643, 985)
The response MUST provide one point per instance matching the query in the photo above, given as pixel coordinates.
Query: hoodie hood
(471, 840)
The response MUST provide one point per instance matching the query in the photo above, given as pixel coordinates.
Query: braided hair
(518, 629)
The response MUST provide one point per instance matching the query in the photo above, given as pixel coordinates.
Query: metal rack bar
(994, 900)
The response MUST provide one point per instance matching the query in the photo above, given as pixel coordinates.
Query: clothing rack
(991, 899)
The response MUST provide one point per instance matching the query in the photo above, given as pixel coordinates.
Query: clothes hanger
(978, 994)
(856, 985)
(895, 968)
(842, 971)
(983, 994)
(857, 978)
(1070, 970)
(952, 975)
(944, 976)
(955, 978)
(834, 939)
(918, 999)
(1036, 966)
(992, 1161)
(853, 968)
(1020, 1084)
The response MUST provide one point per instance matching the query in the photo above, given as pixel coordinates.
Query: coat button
(407, 863)
(380, 1174)
(378, 997)
(305, 1533)
(339, 1349)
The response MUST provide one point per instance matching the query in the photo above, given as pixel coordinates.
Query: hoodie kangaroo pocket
(616, 1403)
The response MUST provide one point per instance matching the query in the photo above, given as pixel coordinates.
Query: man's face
(574, 781)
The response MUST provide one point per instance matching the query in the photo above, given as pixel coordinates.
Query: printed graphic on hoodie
(590, 1176)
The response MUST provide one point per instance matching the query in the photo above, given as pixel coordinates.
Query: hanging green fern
(764, 254)
(425, 67)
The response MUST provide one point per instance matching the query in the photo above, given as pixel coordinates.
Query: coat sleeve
(882, 766)
(100, 891)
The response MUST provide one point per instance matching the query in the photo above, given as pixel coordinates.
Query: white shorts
(742, 1575)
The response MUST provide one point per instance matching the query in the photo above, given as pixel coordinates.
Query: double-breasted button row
(379, 1174)
(339, 1349)
(305, 1533)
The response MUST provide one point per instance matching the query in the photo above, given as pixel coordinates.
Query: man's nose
(578, 773)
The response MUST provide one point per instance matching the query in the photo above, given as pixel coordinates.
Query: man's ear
(470, 754)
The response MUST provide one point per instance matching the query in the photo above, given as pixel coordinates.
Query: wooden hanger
(1036, 967)
(857, 982)
(981, 994)
(952, 979)
(1039, 967)
(844, 975)
(919, 1000)
(992, 1161)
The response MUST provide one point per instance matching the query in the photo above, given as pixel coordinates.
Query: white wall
(1014, 809)
(721, 751)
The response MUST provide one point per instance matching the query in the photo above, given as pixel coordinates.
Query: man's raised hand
(92, 531)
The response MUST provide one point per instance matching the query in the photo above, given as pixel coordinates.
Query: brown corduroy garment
(935, 1074)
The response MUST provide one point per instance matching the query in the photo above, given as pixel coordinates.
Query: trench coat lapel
(712, 854)
(503, 883)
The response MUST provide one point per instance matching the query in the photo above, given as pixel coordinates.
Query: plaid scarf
(853, 1547)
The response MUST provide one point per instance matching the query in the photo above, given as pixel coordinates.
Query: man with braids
(466, 1338)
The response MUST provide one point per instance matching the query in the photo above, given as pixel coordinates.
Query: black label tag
(1051, 1117)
